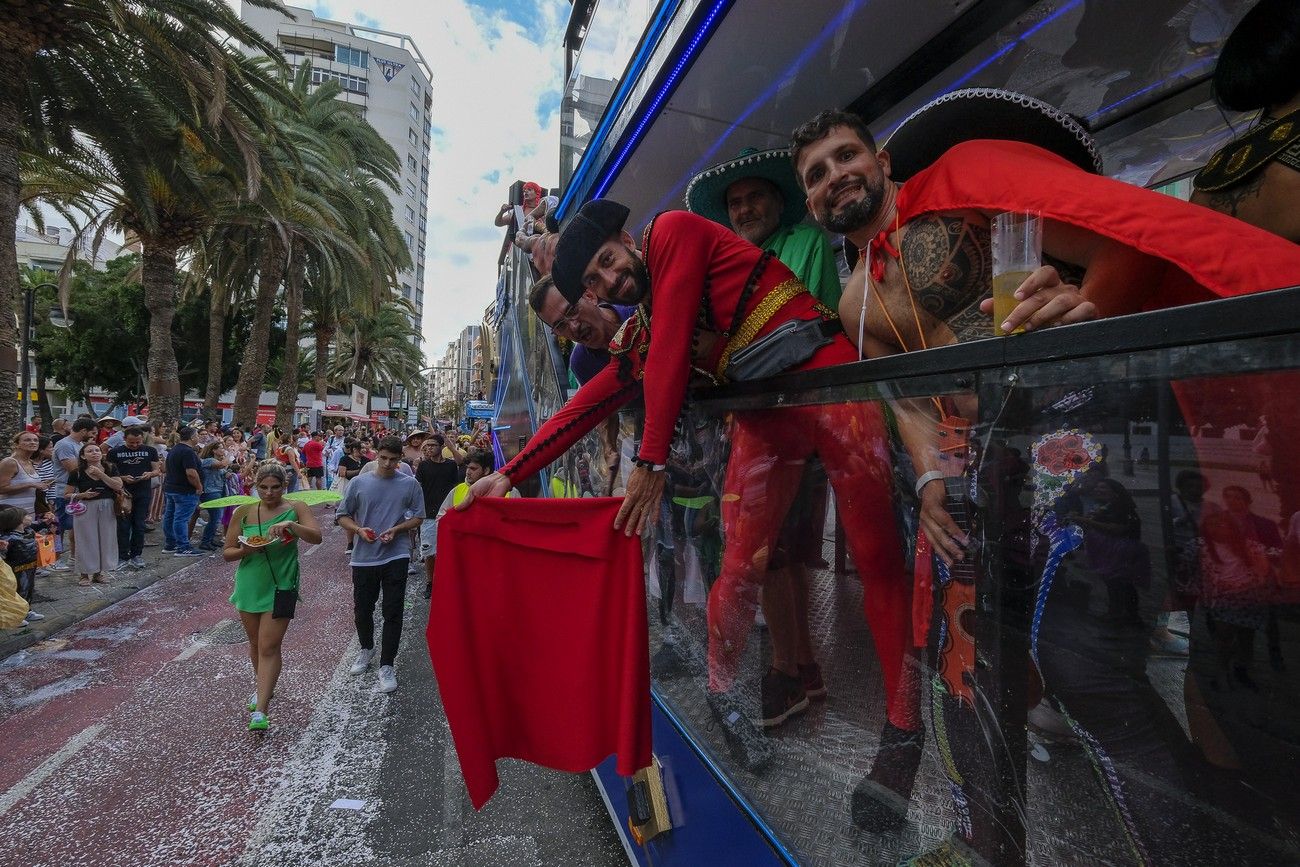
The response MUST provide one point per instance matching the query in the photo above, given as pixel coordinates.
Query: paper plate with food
(256, 541)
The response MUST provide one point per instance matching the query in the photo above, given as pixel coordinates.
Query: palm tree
(380, 347)
(163, 96)
(223, 268)
(329, 227)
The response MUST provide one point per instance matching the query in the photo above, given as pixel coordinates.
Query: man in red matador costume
(708, 294)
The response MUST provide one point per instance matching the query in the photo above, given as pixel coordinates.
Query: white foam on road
(53, 690)
(337, 756)
(27, 784)
(196, 645)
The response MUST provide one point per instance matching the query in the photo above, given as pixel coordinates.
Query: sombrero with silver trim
(987, 113)
(706, 194)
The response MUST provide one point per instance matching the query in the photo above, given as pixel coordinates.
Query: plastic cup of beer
(1017, 240)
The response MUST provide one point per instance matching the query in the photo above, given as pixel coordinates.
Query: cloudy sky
(497, 67)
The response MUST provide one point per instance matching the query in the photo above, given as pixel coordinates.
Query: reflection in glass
(612, 36)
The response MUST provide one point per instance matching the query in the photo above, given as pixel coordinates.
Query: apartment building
(384, 75)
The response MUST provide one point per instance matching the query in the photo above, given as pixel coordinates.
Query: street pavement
(126, 743)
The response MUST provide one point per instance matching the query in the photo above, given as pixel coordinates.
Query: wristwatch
(650, 465)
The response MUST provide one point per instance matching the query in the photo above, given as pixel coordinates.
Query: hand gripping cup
(1017, 240)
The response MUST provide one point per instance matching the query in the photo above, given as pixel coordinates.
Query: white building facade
(386, 77)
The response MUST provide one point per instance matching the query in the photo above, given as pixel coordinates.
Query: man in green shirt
(758, 197)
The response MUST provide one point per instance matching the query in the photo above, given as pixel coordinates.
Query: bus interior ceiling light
(991, 59)
(1182, 73)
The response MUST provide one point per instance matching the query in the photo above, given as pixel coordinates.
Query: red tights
(768, 452)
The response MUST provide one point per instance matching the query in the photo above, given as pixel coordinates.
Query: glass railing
(615, 29)
(1109, 674)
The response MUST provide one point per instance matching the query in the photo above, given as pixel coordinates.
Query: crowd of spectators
(82, 496)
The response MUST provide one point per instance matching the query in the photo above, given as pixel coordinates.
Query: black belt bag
(788, 345)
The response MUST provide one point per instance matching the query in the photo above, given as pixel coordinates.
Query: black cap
(589, 229)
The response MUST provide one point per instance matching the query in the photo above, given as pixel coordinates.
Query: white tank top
(25, 500)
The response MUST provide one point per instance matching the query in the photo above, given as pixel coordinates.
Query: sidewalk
(64, 603)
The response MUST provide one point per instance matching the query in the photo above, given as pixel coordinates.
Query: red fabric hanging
(1214, 255)
(537, 633)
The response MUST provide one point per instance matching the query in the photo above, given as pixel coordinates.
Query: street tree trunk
(218, 305)
(324, 337)
(43, 400)
(252, 369)
(159, 278)
(288, 389)
(13, 69)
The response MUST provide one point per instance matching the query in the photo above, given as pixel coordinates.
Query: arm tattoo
(948, 264)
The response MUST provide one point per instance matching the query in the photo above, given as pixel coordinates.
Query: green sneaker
(259, 722)
(252, 702)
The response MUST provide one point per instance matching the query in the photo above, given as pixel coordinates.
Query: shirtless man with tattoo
(925, 280)
(925, 277)
(945, 260)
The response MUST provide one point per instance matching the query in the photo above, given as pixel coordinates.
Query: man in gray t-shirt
(380, 508)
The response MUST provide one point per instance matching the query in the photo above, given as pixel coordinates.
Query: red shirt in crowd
(314, 452)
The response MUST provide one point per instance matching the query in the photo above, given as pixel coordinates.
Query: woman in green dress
(265, 567)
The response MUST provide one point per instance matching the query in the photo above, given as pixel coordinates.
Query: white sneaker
(32, 617)
(387, 679)
(362, 661)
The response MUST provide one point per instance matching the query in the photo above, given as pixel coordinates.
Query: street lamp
(57, 319)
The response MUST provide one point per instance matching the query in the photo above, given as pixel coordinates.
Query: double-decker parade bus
(1110, 675)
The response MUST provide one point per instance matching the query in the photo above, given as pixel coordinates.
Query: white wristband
(927, 478)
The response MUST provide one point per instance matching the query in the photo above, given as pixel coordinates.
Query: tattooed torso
(947, 263)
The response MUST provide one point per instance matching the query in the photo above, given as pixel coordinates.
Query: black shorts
(315, 472)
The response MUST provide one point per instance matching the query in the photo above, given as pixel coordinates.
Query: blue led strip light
(667, 9)
(1182, 73)
(991, 59)
(670, 84)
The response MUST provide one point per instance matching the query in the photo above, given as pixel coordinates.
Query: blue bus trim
(740, 800)
(649, 42)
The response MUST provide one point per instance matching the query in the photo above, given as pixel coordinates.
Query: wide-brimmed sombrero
(987, 113)
(706, 194)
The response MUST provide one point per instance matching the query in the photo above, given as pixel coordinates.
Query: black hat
(590, 228)
(987, 113)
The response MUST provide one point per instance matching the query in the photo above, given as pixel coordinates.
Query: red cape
(1215, 256)
(538, 637)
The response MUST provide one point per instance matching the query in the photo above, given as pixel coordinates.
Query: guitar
(956, 657)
